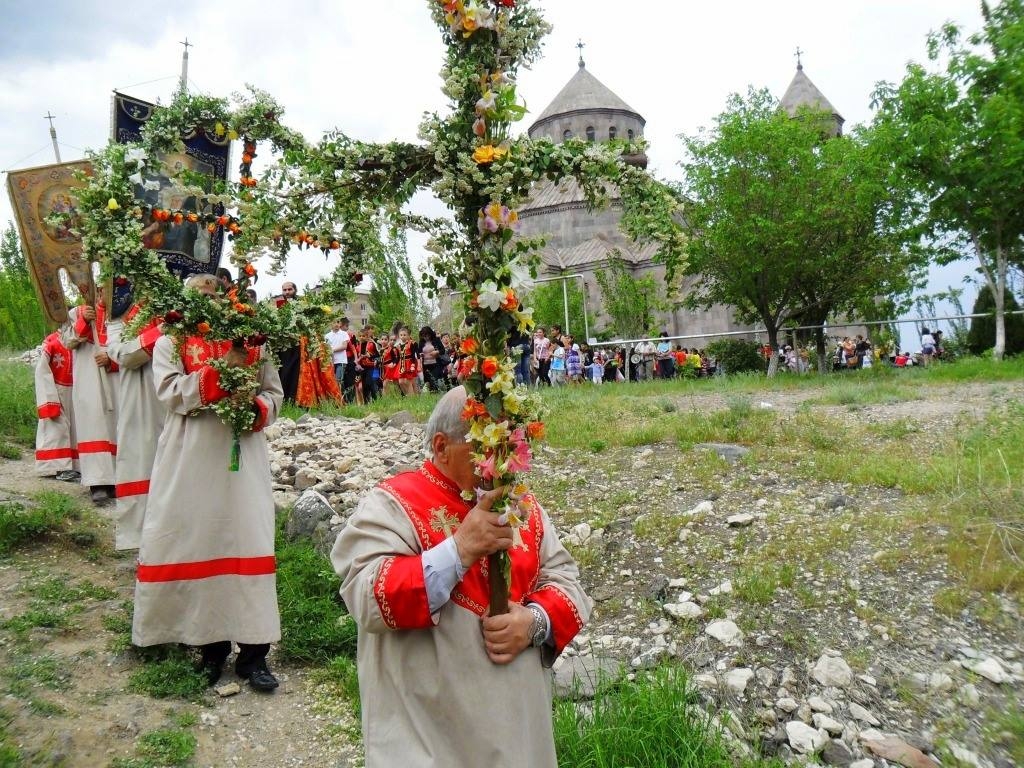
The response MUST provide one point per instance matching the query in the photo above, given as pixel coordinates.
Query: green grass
(170, 675)
(22, 524)
(10, 755)
(653, 722)
(17, 401)
(314, 625)
(163, 748)
(340, 676)
(386, 406)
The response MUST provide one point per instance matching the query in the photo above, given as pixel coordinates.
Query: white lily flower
(135, 155)
(490, 297)
(136, 178)
(152, 185)
(519, 276)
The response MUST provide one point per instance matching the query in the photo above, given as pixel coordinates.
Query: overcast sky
(371, 69)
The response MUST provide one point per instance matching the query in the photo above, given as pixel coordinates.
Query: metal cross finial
(580, 44)
(799, 65)
(49, 117)
(187, 44)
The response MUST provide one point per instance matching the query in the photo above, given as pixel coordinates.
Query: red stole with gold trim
(435, 508)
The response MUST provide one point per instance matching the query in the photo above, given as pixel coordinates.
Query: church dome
(803, 93)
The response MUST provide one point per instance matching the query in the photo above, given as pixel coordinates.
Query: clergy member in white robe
(206, 573)
(441, 682)
(140, 419)
(87, 335)
(56, 453)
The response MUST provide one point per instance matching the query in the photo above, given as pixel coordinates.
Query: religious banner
(188, 247)
(45, 206)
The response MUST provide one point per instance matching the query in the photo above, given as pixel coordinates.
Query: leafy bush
(17, 402)
(736, 356)
(982, 335)
(20, 523)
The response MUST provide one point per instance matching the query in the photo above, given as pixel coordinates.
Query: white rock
(787, 704)
(582, 531)
(684, 597)
(967, 757)
(736, 679)
(819, 704)
(857, 712)
(701, 509)
(988, 668)
(803, 738)
(940, 682)
(741, 520)
(866, 762)
(833, 671)
(834, 727)
(683, 611)
(678, 584)
(969, 695)
(706, 682)
(724, 588)
(725, 632)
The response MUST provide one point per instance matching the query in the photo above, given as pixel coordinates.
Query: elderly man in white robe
(442, 682)
(206, 573)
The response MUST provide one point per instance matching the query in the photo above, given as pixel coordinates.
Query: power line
(26, 157)
(146, 82)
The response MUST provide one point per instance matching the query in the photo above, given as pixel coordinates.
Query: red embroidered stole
(197, 352)
(435, 509)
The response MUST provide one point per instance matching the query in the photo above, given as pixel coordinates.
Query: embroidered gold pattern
(380, 592)
(443, 520)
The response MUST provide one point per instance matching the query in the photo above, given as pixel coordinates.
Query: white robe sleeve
(177, 390)
(46, 388)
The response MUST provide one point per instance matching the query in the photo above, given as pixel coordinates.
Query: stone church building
(581, 242)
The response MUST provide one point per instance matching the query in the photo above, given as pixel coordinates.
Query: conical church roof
(803, 93)
(584, 92)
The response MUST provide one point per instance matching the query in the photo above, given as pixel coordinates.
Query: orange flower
(474, 409)
(466, 366)
(203, 328)
(511, 301)
(211, 228)
(240, 307)
(489, 366)
(193, 217)
(247, 158)
(483, 155)
(249, 269)
(469, 346)
(223, 220)
(535, 430)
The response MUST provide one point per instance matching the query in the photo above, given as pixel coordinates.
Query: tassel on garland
(236, 455)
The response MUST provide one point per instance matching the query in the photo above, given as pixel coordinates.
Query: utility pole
(183, 85)
(53, 134)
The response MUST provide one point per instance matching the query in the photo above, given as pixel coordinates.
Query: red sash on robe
(316, 379)
(435, 508)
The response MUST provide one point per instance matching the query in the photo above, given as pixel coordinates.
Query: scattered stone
(966, 756)
(819, 704)
(740, 521)
(940, 682)
(857, 712)
(835, 752)
(728, 451)
(988, 668)
(839, 501)
(724, 588)
(724, 631)
(683, 611)
(804, 739)
(705, 507)
(834, 727)
(657, 590)
(895, 749)
(765, 677)
(210, 719)
(736, 680)
(833, 671)
(577, 677)
(228, 689)
(787, 705)
(766, 716)
(866, 762)
(705, 682)
(400, 419)
(310, 510)
(969, 695)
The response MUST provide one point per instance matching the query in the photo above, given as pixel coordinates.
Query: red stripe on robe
(133, 488)
(97, 446)
(46, 454)
(204, 569)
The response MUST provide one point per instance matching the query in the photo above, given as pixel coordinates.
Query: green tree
(982, 335)
(787, 223)
(957, 136)
(630, 302)
(396, 294)
(22, 323)
(549, 303)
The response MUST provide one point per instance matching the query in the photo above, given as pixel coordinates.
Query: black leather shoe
(260, 679)
(212, 670)
(99, 496)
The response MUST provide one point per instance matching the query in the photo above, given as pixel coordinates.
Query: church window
(612, 132)
(566, 134)
(362, 307)
(590, 133)
(629, 134)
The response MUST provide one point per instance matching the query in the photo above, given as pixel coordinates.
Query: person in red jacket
(56, 448)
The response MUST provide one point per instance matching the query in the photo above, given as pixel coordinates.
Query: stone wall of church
(564, 228)
(606, 124)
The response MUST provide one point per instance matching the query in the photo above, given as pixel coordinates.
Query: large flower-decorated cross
(343, 195)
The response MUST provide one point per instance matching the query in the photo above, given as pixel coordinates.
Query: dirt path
(68, 697)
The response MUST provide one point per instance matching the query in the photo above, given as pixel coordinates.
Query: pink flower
(519, 460)
(485, 467)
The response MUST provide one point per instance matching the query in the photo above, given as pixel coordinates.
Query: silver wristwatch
(539, 628)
